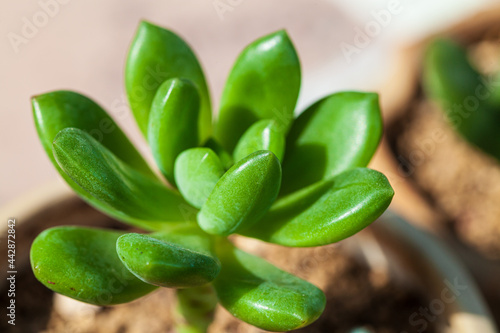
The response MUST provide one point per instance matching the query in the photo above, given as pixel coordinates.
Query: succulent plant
(469, 99)
(261, 173)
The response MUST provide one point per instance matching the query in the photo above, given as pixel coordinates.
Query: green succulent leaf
(82, 263)
(133, 197)
(326, 212)
(173, 123)
(197, 171)
(225, 158)
(464, 95)
(339, 132)
(448, 75)
(262, 295)
(160, 259)
(264, 83)
(243, 194)
(156, 55)
(58, 110)
(263, 135)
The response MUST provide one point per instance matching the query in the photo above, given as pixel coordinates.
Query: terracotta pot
(390, 253)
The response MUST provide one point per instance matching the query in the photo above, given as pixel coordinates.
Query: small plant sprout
(258, 172)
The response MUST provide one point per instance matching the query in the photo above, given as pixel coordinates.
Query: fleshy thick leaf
(462, 93)
(264, 83)
(263, 135)
(197, 171)
(155, 56)
(326, 212)
(157, 260)
(173, 123)
(243, 194)
(58, 110)
(262, 295)
(82, 263)
(135, 198)
(340, 132)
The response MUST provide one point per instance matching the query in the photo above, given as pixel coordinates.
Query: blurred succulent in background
(260, 173)
(470, 99)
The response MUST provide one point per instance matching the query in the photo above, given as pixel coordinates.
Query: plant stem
(195, 309)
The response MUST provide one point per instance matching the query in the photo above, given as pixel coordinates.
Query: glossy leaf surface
(137, 199)
(156, 55)
(263, 135)
(262, 295)
(243, 194)
(160, 259)
(197, 171)
(173, 124)
(340, 132)
(264, 83)
(326, 212)
(82, 263)
(58, 110)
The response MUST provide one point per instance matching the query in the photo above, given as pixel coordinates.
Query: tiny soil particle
(50, 282)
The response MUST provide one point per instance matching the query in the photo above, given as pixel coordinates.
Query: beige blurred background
(82, 45)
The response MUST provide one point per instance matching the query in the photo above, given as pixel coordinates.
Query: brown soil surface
(458, 178)
(461, 182)
(356, 297)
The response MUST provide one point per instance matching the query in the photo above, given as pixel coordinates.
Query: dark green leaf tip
(264, 83)
(156, 55)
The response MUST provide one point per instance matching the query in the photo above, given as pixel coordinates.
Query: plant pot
(441, 181)
(378, 279)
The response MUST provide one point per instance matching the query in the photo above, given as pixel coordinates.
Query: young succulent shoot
(258, 172)
(469, 99)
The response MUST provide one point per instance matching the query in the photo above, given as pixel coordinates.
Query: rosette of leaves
(258, 172)
(469, 99)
